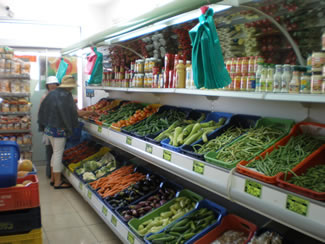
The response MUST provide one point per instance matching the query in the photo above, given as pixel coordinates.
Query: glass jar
(318, 60)
(316, 83)
(305, 82)
(140, 80)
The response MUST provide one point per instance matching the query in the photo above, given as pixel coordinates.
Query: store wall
(87, 14)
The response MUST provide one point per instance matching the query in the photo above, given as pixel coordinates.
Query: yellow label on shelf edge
(167, 155)
(297, 205)
(148, 148)
(253, 188)
(80, 185)
(89, 194)
(100, 129)
(198, 167)
(114, 220)
(130, 237)
(129, 140)
(104, 210)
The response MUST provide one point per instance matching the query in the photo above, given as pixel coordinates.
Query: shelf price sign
(104, 210)
(129, 140)
(114, 220)
(253, 188)
(80, 185)
(167, 155)
(297, 205)
(148, 148)
(100, 129)
(198, 167)
(89, 194)
(130, 237)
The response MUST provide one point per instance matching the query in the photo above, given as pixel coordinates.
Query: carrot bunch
(116, 181)
(138, 116)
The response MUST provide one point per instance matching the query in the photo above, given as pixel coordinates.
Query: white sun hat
(52, 80)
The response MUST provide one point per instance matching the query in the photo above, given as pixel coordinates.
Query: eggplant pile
(164, 195)
(134, 192)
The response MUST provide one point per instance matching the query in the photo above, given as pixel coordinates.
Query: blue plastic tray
(238, 120)
(219, 211)
(166, 184)
(212, 116)
(9, 156)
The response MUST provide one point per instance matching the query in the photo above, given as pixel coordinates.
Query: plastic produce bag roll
(209, 70)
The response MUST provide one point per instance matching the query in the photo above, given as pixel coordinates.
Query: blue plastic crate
(211, 116)
(217, 209)
(238, 120)
(9, 156)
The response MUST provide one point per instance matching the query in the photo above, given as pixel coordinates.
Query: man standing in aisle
(51, 84)
(57, 118)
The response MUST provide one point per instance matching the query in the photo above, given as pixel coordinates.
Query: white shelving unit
(305, 98)
(108, 216)
(272, 201)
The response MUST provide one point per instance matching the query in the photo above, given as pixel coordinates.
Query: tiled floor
(68, 219)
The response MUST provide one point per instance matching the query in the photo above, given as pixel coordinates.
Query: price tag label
(253, 188)
(114, 220)
(89, 194)
(80, 185)
(129, 140)
(104, 210)
(130, 237)
(198, 167)
(100, 129)
(297, 205)
(167, 155)
(148, 148)
(90, 93)
(69, 173)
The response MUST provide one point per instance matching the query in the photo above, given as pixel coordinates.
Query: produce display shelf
(15, 113)
(268, 200)
(11, 94)
(13, 131)
(121, 230)
(306, 98)
(11, 76)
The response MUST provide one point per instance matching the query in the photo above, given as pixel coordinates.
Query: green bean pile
(215, 144)
(124, 112)
(313, 179)
(156, 122)
(250, 144)
(284, 158)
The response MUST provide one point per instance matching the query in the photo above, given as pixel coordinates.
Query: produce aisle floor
(68, 219)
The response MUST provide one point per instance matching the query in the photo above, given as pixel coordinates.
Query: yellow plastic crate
(33, 237)
(100, 153)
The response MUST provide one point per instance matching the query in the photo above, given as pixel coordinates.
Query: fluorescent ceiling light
(195, 14)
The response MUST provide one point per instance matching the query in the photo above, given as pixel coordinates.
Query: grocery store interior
(162, 122)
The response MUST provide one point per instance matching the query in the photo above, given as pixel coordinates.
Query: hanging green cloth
(208, 66)
(96, 76)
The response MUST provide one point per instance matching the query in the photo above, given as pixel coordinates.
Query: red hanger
(204, 9)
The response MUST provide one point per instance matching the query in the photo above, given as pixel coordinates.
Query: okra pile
(215, 144)
(284, 158)
(156, 122)
(313, 179)
(250, 144)
(189, 131)
(181, 206)
(185, 229)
